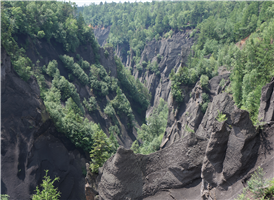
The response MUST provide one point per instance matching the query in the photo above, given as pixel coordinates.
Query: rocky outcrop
(130, 176)
(101, 34)
(188, 115)
(30, 144)
(266, 112)
(217, 154)
(172, 53)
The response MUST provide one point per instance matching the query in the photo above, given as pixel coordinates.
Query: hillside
(154, 100)
(189, 54)
(59, 84)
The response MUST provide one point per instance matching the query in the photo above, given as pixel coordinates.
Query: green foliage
(135, 147)
(68, 120)
(152, 132)
(75, 68)
(4, 197)
(41, 34)
(221, 117)
(139, 67)
(135, 91)
(189, 130)
(48, 191)
(101, 150)
(52, 68)
(259, 187)
(22, 67)
(222, 82)
(204, 102)
(109, 110)
(204, 81)
(106, 53)
(114, 130)
(91, 104)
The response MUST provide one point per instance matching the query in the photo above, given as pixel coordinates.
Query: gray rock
(101, 33)
(266, 112)
(130, 176)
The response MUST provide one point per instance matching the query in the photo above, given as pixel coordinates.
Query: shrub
(4, 197)
(52, 68)
(109, 110)
(85, 65)
(48, 192)
(22, 67)
(221, 117)
(139, 67)
(114, 129)
(159, 57)
(257, 182)
(91, 104)
(144, 64)
(204, 81)
(100, 151)
(189, 130)
(40, 34)
(258, 186)
(106, 53)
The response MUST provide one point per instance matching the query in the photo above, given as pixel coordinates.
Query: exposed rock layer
(215, 158)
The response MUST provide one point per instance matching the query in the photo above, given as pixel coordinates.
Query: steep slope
(218, 158)
(49, 52)
(31, 144)
(165, 54)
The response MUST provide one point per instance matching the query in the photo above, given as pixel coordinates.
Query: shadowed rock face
(266, 112)
(101, 34)
(30, 143)
(215, 156)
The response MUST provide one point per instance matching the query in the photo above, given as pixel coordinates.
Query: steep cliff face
(45, 52)
(31, 144)
(187, 116)
(168, 54)
(172, 53)
(213, 163)
(101, 34)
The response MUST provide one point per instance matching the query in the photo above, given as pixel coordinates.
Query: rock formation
(31, 144)
(101, 33)
(211, 163)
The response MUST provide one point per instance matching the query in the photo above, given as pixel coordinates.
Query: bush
(91, 104)
(85, 65)
(101, 150)
(22, 67)
(106, 53)
(48, 192)
(189, 130)
(139, 67)
(109, 110)
(114, 130)
(52, 68)
(4, 197)
(258, 186)
(221, 117)
(204, 81)
(40, 34)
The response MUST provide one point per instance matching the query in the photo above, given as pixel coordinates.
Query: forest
(216, 27)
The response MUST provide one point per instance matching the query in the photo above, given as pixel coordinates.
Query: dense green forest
(216, 28)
